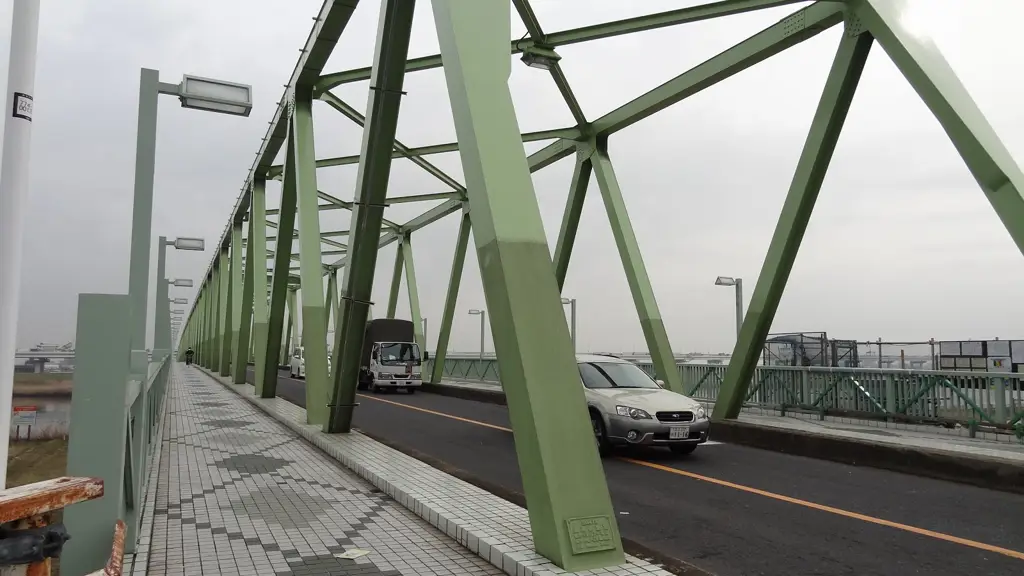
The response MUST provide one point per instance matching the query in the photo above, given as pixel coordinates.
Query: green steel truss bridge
(497, 202)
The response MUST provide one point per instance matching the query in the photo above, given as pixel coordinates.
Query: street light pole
(483, 321)
(14, 179)
(738, 283)
(193, 92)
(572, 317)
(424, 335)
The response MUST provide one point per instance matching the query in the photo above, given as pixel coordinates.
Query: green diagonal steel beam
(571, 216)
(355, 116)
(394, 28)
(314, 320)
(558, 461)
(931, 76)
(224, 313)
(554, 134)
(412, 289)
(396, 280)
(651, 322)
(331, 300)
(583, 34)
(788, 32)
(245, 318)
(451, 299)
(796, 212)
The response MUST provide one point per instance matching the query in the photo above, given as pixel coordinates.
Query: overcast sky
(902, 245)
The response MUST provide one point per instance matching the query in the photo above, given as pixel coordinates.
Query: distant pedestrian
(188, 356)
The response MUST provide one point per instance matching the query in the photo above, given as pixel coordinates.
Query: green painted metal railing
(972, 399)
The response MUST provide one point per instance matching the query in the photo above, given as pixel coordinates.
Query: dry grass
(34, 461)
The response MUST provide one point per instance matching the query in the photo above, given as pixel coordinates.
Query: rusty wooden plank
(48, 495)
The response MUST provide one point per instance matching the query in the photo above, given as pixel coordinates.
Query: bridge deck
(238, 494)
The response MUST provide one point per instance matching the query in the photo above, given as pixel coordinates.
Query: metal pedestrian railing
(978, 400)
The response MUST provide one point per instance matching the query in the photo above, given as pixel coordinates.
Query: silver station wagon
(628, 407)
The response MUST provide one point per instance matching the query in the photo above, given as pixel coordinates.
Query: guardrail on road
(973, 399)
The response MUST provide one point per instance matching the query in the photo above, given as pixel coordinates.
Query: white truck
(391, 359)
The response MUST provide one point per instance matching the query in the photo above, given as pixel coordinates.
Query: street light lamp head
(179, 301)
(540, 58)
(475, 311)
(567, 300)
(195, 244)
(182, 282)
(215, 95)
(725, 281)
(177, 311)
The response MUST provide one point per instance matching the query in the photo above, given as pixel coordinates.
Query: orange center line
(751, 490)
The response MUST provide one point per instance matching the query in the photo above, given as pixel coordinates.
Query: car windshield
(394, 353)
(615, 375)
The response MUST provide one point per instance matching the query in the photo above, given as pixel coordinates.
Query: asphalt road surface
(733, 510)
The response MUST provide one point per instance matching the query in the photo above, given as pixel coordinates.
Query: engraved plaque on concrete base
(590, 534)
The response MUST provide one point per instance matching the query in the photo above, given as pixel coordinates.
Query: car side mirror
(426, 356)
(660, 383)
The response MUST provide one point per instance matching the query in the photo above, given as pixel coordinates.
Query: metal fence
(975, 399)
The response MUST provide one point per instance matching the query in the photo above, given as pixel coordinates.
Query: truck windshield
(392, 353)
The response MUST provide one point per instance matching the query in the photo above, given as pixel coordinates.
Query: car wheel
(410, 390)
(683, 448)
(374, 388)
(600, 434)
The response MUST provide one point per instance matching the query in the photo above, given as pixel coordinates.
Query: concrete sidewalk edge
(978, 471)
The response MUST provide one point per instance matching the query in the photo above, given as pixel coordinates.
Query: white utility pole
(14, 178)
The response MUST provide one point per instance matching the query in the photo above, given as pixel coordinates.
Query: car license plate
(679, 433)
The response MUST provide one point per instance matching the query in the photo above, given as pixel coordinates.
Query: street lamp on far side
(738, 283)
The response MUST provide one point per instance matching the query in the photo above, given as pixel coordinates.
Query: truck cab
(392, 360)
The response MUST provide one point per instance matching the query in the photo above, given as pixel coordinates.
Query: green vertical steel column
(414, 293)
(225, 318)
(98, 432)
(294, 338)
(396, 280)
(570, 510)
(451, 299)
(215, 317)
(339, 332)
(796, 212)
(311, 273)
(260, 313)
(383, 102)
(243, 341)
(279, 287)
(636, 273)
(571, 217)
(236, 297)
(927, 70)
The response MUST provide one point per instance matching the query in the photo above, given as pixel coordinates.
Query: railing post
(890, 394)
(805, 386)
(98, 429)
(1002, 416)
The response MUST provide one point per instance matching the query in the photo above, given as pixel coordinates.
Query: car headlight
(634, 413)
(416, 375)
(701, 413)
(384, 375)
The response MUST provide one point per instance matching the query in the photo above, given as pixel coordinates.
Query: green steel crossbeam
(583, 34)
(571, 216)
(354, 115)
(557, 133)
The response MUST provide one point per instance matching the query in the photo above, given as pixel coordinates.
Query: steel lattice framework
(569, 506)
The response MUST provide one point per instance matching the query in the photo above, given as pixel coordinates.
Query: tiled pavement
(239, 494)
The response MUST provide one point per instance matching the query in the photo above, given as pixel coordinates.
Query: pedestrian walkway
(238, 494)
(933, 438)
